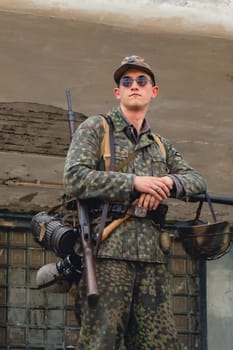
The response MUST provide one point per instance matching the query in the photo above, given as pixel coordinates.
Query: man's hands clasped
(153, 190)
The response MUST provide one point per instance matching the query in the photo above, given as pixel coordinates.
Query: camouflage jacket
(136, 238)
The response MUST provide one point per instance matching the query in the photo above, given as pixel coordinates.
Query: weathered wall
(220, 302)
(42, 55)
(206, 16)
(34, 139)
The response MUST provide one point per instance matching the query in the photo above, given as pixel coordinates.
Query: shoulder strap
(161, 145)
(107, 152)
(106, 149)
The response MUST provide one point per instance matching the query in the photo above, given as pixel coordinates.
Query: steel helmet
(58, 277)
(49, 280)
(205, 241)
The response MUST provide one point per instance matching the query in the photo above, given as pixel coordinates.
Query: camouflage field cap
(133, 62)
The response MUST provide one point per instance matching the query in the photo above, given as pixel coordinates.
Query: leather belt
(116, 210)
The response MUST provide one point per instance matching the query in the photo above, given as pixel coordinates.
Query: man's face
(135, 95)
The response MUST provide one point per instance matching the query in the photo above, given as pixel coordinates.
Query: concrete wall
(220, 302)
(39, 58)
(176, 15)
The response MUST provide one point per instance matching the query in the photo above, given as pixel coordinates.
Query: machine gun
(84, 229)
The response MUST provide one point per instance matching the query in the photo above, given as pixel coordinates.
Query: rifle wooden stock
(88, 257)
(218, 199)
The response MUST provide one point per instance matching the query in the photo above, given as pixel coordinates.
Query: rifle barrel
(219, 199)
(71, 118)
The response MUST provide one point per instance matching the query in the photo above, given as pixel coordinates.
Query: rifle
(218, 199)
(85, 233)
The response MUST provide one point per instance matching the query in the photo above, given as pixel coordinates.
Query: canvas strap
(198, 211)
(108, 153)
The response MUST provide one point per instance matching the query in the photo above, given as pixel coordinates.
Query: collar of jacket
(120, 123)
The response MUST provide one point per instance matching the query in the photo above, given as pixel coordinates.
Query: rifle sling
(125, 161)
(133, 154)
(110, 165)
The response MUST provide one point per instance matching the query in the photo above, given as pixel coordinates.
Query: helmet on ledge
(205, 241)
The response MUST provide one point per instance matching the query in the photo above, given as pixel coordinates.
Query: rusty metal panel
(185, 274)
(35, 320)
(29, 318)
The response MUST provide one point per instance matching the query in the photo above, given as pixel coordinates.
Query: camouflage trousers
(133, 312)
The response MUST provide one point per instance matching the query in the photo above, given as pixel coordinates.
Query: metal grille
(29, 318)
(35, 320)
(188, 286)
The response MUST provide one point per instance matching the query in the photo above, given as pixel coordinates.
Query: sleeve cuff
(178, 189)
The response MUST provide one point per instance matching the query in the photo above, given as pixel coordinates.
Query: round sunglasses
(141, 80)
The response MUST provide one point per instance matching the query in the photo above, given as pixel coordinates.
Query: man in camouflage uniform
(134, 305)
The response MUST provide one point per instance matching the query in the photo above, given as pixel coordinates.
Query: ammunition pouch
(158, 215)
